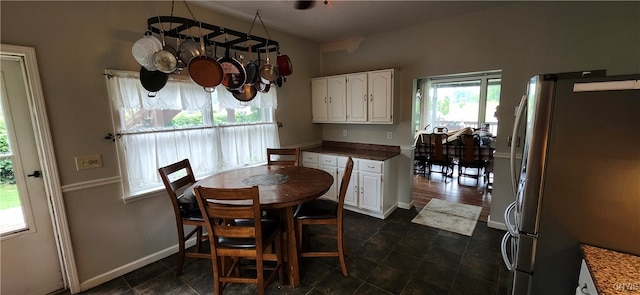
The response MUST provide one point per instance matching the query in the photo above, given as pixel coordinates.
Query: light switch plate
(88, 162)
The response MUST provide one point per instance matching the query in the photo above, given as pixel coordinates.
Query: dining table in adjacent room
(281, 188)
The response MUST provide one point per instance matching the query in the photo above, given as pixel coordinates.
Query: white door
(351, 197)
(357, 99)
(337, 98)
(380, 96)
(319, 99)
(370, 191)
(30, 263)
(331, 193)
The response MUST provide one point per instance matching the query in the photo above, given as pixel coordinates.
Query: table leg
(292, 249)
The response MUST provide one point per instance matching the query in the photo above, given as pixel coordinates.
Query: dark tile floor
(392, 256)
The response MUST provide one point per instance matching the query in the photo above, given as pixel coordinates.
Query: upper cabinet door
(381, 96)
(337, 98)
(357, 99)
(319, 100)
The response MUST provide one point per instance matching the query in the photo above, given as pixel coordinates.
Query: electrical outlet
(88, 162)
(344, 132)
(389, 135)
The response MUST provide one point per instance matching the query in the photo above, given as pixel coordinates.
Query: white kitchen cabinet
(372, 187)
(380, 90)
(310, 159)
(328, 99)
(358, 98)
(351, 197)
(319, 94)
(326, 163)
(585, 282)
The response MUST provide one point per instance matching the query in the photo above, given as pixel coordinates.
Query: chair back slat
(283, 156)
(224, 230)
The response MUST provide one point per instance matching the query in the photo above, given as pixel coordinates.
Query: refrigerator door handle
(507, 214)
(512, 154)
(505, 255)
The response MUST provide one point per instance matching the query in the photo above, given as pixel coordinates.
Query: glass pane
(493, 99)
(454, 105)
(11, 215)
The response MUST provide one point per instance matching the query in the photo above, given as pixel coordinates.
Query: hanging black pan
(246, 93)
(234, 74)
(153, 81)
(251, 69)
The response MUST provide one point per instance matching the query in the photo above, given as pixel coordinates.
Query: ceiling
(341, 19)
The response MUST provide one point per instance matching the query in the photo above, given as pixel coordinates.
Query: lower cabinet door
(331, 194)
(370, 191)
(351, 197)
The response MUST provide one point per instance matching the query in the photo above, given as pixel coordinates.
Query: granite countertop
(374, 152)
(612, 272)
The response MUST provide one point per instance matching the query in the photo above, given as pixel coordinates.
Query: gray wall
(521, 39)
(76, 41)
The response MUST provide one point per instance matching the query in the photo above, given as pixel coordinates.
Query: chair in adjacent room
(283, 156)
(243, 235)
(322, 211)
(177, 178)
(471, 156)
(440, 153)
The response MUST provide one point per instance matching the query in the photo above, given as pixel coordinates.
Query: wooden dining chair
(177, 178)
(441, 153)
(323, 211)
(242, 235)
(471, 157)
(283, 156)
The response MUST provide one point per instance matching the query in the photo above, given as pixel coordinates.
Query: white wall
(522, 39)
(75, 42)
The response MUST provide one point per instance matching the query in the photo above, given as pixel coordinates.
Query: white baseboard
(122, 270)
(405, 205)
(495, 224)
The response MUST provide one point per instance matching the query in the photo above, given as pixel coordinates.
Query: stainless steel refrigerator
(579, 178)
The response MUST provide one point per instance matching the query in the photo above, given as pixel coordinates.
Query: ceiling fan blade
(304, 4)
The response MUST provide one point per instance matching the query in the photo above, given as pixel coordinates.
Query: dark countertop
(612, 272)
(374, 152)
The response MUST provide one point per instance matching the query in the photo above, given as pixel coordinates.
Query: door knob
(35, 174)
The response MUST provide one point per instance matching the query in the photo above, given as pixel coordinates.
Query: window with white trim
(458, 101)
(215, 131)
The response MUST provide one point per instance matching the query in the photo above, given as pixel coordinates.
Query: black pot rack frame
(176, 27)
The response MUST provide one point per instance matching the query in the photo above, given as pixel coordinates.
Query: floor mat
(449, 216)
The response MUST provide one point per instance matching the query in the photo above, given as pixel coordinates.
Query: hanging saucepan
(268, 71)
(234, 74)
(251, 69)
(165, 60)
(188, 50)
(284, 64)
(152, 81)
(205, 71)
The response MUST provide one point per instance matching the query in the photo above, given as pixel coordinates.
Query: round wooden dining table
(281, 187)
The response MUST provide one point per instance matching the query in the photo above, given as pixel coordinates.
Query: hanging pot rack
(181, 28)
